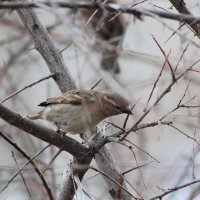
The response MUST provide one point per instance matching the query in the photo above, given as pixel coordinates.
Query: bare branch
(159, 197)
(27, 86)
(23, 179)
(15, 175)
(188, 18)
(51, 161)
(48, 135)
(176, 67)
(134, 168)
(181, 7)
(45, 46)
(143, 151)
(166, 58)
(31, 162)
(107, 176)
(156, 81)
(168, 89)
(185, 134)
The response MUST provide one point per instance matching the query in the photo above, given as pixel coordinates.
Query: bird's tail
(35, 115)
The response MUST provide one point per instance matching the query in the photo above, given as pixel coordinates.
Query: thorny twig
(160, 197)
(166, 90)
(166, 58)
(181, 57)
(115, 137)
(134, 168)
(27, 86)
(193, 139)
(155, 83)
(143, 150)
(127, 116)
(110, 7)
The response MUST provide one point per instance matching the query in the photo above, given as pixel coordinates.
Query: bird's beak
(127, 111)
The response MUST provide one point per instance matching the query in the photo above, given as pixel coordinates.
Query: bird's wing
(75, 97)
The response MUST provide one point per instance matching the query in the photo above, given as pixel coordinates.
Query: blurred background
(120, 50)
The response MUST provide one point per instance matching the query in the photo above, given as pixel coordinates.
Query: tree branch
(32, 163)
(48, 135)
(45, 46)
(110, 7)
(181, 7)
(54, 60)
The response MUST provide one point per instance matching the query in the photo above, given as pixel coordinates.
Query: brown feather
(75, 97)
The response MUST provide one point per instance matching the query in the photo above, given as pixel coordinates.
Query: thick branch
(116, 8)
(181, 7)
(45, 46)
(48, 135)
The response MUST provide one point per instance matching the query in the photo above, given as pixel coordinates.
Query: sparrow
(76, 111)
(109, 27)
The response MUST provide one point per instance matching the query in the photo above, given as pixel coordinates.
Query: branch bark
(113, 8)
(48, 135)
(44, 44)
(181, 7)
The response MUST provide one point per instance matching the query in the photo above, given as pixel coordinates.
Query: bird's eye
(118, 108)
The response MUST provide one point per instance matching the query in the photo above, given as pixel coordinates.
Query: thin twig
(107, 176)
(111, 7)
(119, 13)
(185, 134)
(175, 32)
(160, 197)
(166, 58)
(167, 90)
(134, 168)
(136, 161)
(97, 83)
(181, 106)
(181, 57)
(127, 116)
(22, 176)
(28, 86)
(193, 156)
(55, 156)
(48, 190)
(15, 175)
(143, 151)
(155, 83)
(115, 125)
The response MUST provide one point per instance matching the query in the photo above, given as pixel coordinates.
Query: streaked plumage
(78, 110)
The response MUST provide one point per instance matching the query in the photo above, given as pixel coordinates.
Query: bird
(110, 27)
(76, 111)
